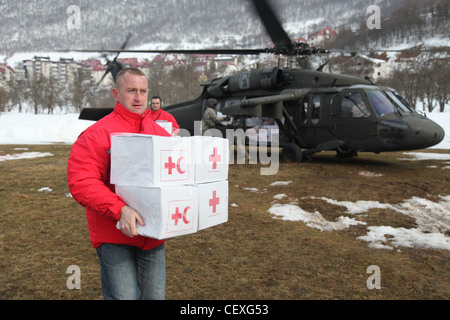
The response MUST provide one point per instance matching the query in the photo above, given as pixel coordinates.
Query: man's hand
(127, 222)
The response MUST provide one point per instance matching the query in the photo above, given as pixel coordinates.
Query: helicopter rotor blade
(301, 49)
(244, 51)
(112, 64)
(273, 25)
(283, 44)
(124, 45)
(108, 70)
(181, 51)
(390, 50)
(267, 15)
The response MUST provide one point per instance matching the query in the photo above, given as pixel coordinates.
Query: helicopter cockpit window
(380, 102)
(353, 106)
(398, 101)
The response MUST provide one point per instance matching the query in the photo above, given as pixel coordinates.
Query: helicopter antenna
(322, 66)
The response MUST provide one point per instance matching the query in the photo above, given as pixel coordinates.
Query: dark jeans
(129, 273)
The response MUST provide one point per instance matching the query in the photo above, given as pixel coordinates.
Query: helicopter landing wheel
(346, 154)
(291, 152)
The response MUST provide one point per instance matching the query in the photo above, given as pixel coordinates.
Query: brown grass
(253, 255)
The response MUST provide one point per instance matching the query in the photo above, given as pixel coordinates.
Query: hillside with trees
(36, 26)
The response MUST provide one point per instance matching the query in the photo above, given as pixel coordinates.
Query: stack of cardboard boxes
(178, 184)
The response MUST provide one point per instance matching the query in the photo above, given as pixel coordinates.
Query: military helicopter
(315, 111)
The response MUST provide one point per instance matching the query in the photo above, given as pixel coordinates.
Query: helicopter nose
(424, 132)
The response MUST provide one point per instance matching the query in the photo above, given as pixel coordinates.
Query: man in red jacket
(132, 266)
(158, 114)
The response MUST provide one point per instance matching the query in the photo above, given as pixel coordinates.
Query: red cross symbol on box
(178, 215)
(214, 201)
(171, 165)
(214, 157)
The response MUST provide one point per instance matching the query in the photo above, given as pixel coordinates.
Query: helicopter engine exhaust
(266, 79)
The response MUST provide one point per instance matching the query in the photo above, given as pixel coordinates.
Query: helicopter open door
(314, 119)
(355, 119)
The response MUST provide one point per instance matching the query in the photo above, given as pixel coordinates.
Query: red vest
(165, 116)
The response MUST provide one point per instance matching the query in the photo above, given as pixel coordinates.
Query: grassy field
(253, 255)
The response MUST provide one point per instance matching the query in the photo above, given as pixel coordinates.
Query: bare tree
(17, 93)
(442, 83)
(176, 85)
(35, 93)
(51, 94)
(408, 84)
(432, 69)
(157, 80)
(3, 99)
(79, 91)
(100, 98)
(184, 79)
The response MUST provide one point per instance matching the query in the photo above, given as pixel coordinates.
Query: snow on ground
(432, 218)
(25, 155)
(26, 128)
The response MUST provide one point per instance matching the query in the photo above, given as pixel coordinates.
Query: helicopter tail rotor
(114, 66)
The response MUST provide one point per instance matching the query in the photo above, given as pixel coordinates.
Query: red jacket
(88, 174)
(165, 116)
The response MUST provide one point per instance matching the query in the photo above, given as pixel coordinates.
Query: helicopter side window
(353, 106)
(380, 102)
(305, 110)
(315, 109)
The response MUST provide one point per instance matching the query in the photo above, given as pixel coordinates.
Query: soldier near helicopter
(210, 117)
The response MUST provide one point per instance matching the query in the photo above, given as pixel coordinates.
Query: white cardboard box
(166, 125)
(212, 204)
(167, 211)
(151, 161)
(211, 156)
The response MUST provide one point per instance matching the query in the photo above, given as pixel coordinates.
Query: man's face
(156, 104)
(132, 92)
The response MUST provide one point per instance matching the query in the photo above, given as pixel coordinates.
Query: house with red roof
(6, 73)
(321, 36)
